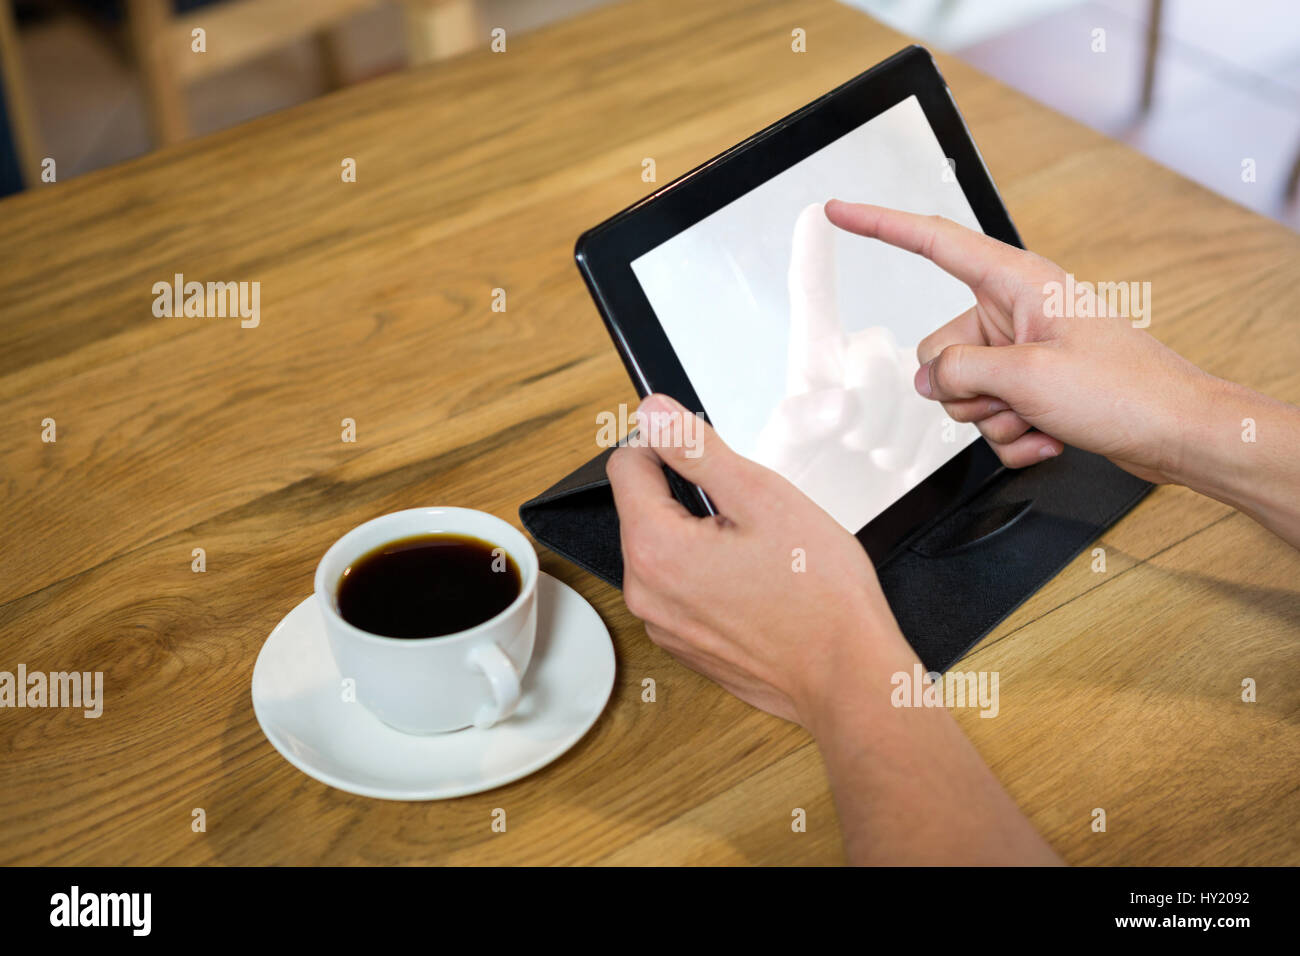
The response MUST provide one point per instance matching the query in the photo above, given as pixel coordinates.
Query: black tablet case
(949, 583)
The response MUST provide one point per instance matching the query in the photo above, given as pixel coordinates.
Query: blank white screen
(833, 408)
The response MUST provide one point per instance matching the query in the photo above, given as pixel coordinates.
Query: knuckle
(658, 636)
(645, 558)
(959, 412)
(637, 598)
(998, 429)
(1032, 283)
(937, 225)
(1008, 457)
(947, 367)
(616, 462)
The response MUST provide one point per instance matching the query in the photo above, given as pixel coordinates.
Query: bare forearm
(909, 787)
(1243, 448)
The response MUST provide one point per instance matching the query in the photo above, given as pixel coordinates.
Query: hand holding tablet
(771, 637)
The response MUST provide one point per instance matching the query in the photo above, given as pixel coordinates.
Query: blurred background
(1206, 87)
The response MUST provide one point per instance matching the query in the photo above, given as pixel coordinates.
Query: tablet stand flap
(949, 584)
(970, 526)
(947, 591)
(575, 518)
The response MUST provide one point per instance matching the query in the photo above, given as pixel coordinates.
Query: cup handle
(504, 678)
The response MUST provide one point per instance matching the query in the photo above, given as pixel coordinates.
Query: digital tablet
(729, 290)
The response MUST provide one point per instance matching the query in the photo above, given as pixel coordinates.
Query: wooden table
(1119, 690)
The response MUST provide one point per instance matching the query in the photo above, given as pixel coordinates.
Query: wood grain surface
(1119, 690)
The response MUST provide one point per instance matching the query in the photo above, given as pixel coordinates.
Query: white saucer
(297, 700)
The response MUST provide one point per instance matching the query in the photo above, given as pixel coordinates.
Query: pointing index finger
(962, 253)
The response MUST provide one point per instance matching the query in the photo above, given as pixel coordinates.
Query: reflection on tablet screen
(800, 339)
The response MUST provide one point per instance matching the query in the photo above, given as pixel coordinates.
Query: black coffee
(428, 586)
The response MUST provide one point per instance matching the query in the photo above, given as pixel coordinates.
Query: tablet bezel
(604, 253)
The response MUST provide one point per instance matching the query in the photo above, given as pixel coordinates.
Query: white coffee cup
(431, 685)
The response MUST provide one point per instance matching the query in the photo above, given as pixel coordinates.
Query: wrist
(1184, 409)
(855, 685)
(1215, 430)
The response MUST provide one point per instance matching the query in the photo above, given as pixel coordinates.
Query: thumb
(688, 445)
(967, 371)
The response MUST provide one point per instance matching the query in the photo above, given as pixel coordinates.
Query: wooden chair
(238, 30)
(1155, 13)
(20, 149)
